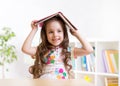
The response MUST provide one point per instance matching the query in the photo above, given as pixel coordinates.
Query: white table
(45, 82)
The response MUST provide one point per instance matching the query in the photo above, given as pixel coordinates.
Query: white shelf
(98, 76)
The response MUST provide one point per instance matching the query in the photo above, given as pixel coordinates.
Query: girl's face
(54, 33)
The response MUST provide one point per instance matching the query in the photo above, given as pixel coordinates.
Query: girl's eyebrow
(50, 30)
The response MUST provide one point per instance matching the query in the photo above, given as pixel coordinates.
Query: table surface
(44, 82)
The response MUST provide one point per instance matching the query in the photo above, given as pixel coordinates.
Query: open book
(60, 14)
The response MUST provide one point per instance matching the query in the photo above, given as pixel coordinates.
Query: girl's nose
(55, 34)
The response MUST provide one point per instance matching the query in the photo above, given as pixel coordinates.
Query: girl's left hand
(74, 32)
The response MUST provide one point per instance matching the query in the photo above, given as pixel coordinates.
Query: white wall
(97, 19)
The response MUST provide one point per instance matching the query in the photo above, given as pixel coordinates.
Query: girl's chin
(55, 45)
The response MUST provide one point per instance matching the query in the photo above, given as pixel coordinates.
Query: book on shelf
(110, 59)
(87, 63)
(105, 61)
(84, 63)
(58, 14)
(111, 81)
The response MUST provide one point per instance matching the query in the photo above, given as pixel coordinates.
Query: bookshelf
(99, 75)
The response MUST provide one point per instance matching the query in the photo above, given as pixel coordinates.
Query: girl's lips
(57, 39)
(54, 39)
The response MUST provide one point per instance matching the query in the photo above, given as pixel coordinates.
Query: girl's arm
(27, 48)
(86, 47)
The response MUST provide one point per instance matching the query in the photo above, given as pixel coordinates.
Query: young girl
(52, 56)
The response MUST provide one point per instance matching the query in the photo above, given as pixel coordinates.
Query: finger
(71, 31)
(34, 22)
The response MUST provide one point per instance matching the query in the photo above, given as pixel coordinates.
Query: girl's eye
(59, 31)
(50, 31)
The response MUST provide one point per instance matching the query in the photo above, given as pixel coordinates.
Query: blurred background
(95, 19)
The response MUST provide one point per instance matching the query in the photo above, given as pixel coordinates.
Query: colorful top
(54, 68)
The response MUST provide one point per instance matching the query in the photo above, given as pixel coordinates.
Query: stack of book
(88, 63)
(110, 59)
(111, 81)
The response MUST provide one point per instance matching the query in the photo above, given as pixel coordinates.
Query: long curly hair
(45, 46)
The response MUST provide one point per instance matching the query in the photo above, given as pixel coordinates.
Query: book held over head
(59, 14)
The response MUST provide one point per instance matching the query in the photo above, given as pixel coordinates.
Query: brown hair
(45, 46)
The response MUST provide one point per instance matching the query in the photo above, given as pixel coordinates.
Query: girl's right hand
(34, 25)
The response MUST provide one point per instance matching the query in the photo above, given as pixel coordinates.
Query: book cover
(110, 58)
(84, 63)
(105, 61)
(92, 61)
(61, 15)
(116, 58)
(115, 61)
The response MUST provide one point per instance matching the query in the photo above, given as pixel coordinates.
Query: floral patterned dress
(54, 68)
